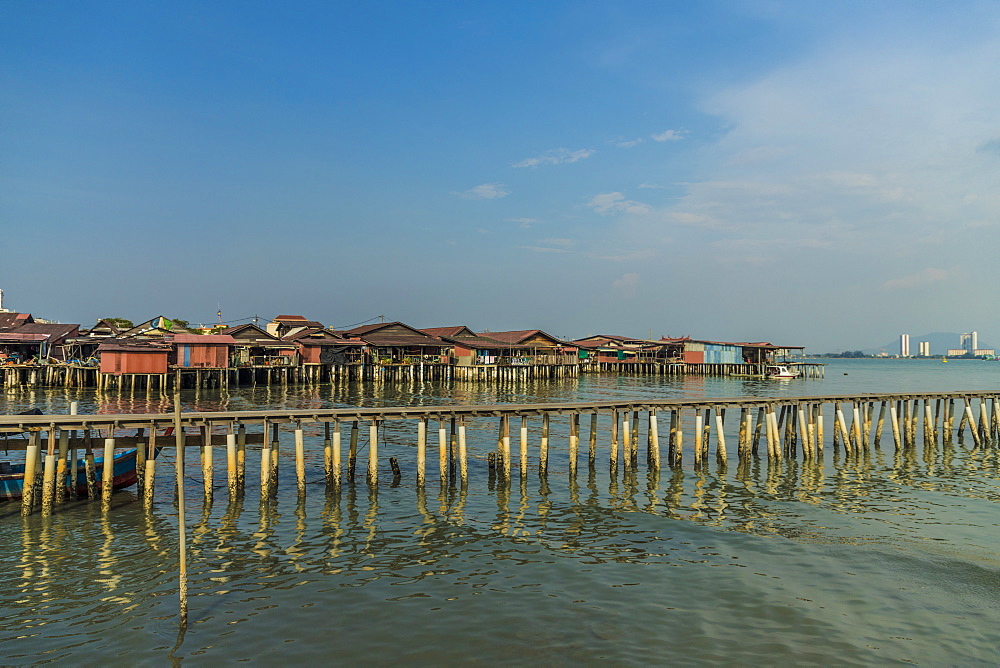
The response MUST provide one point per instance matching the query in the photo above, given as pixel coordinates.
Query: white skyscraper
(970, 342)
(904, 345)
(925, 348)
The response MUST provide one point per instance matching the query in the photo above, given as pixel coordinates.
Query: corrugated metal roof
(451, 332)
(205, 339)
(55, 330)
(123, 347)
(519, 336)
(21, 337)
(11, 320)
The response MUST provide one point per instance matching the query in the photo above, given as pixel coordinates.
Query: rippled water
(891, 558)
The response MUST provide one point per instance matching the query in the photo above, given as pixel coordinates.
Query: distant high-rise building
(904, 345)
(969, 342)
(925, 348)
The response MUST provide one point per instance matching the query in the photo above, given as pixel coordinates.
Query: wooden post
(300, 459)
(150, 472)
(635, 438)
(804, 431)
(463, 462)
(857, 431)
(762, 423)
(592, 444)
(894, 421)
(878, 425)
(720, 437)
(679, 450)
(207, 462)
(265, 467)
(61, 487)
(742, 440)
(442, 452)
(627, 440)
(614, 440)
(327, 456)
(232, 477)
(523, 454)
(574, 441)
(275, 457)
(181, 521)
(930, 437)
(90, 466)
(543, 450)
(49, 477)
(654, 442)
(842, 425)
(698, 436)
(352, 455)
(972, 423)
(421, 451)
(241, 458)
(373, 453)
(336, 454)
(108, 474)
(74, 407)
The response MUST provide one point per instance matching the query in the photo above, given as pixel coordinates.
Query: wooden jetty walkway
(778, 427)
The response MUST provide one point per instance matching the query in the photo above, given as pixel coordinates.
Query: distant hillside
(941, 342)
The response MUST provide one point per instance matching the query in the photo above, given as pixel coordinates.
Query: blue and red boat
(12, 475)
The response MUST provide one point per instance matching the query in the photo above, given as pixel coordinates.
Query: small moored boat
(780, 371)
(12, 475)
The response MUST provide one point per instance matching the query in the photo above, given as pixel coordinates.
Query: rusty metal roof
(204, 339)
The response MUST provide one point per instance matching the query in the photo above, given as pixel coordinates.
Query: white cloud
(667, 135)
(616, 203)
(921, 278)
(627, 284)
(629, 143)
(544, 249)
(525, 223)
(624, 255)
(554, 245)
(486, 191)
(557, 242)
(558, 156)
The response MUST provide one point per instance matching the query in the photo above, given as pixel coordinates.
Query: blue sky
(820, 174)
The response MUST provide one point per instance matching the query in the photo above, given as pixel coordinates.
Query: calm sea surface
(893, 558)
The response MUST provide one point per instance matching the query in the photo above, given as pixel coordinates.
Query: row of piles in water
(780, 428)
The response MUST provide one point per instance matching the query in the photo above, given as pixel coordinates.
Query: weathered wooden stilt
(543, 450)
(232, 474)
(373, 453)
(614, 441)
(592, 443)
(654, 441)
(207, 463)
(61, 484)
(463, 461)
(300, 460)
(574, 441)
(421, 451)
(523, 453)
(108, 474)
(721, 455)
(241, 458)
(49, 475)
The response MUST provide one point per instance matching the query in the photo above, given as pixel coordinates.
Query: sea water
(883, 559)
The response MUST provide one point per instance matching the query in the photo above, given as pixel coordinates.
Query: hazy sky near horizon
(818, 174)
